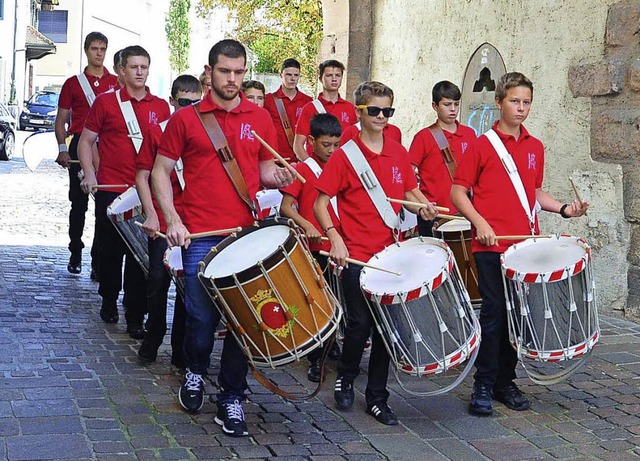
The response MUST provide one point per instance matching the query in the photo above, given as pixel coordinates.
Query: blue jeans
(201, 323)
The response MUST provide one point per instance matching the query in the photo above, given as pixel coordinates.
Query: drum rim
(165, 261)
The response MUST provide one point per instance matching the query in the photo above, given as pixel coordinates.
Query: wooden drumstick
(199, 234)
(575, 191)
(418, 204)
(158, 233)
(451, 216)
(110, 186)
(522, 237)
(74, 161)
(364, 264)
(277, 155)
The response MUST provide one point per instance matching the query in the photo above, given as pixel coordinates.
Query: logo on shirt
(532, 160)
(298, 112)
(396, 175)
(245, 131)
(345, 117)
(153, 118)
(464, 146)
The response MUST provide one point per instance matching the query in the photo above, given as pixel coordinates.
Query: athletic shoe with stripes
(383, 413)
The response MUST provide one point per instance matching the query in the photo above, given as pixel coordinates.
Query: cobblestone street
(72, 388)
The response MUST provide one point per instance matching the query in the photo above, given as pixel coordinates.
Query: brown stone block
(598, 79)
(614, 134)
(622, 23)
(631, 198)
(634, 248)
(633, 75)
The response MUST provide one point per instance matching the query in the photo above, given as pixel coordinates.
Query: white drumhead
(126, 201)
(455, 225)
(418, 260)
(173, 259)
(544, 255)
(246, 251)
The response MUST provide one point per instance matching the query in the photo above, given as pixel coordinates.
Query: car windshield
(45, 99)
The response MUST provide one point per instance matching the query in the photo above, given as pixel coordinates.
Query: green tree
(275, 30)
(177, 28)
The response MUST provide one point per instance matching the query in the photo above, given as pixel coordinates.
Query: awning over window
(38, 46)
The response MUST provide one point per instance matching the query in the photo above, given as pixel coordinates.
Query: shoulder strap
(512, 171)
(319, 107)
(358, 126)
(371, 184)
(445, 149)
(86, 88)
(284, 119)
(131, 121)
(179, 166)
(315, 168)
(221, 146)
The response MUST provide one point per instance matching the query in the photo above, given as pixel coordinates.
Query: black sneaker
(191, 394)
(480, 404)
(343, 393)
(74, 267)
(136, 331)
(147, 352)
(511, 396)
(109, 312)
(383, 413)
(231, 417)
(313, 374)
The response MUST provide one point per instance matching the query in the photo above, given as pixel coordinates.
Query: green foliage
(275, 30)
(177, 28)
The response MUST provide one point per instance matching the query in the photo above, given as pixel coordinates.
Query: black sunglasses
(184, 102)
(373, 111)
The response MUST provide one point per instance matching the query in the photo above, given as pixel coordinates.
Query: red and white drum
(269, 202)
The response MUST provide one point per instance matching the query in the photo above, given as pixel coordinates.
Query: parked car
(7, 133)
(40, 111)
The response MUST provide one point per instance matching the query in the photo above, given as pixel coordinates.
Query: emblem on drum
(273, 314)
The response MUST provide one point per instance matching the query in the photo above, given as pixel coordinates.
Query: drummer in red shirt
(117, 158)
(209, 202)
(363, 233)
(497, 210)
(436, 177)
(329, 101)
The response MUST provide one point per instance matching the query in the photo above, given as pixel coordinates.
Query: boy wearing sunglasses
(363, 234)
(185, 91)
(436, 173)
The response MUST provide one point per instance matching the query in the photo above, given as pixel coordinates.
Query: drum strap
(516, 180)
(319, 106)
(135, 134)
(86, 88)
(445, 149)
(284, 119)
(371, 184)
(317, 170)
(221, 146)
(179, 166)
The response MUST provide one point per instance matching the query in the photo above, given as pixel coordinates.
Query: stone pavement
(72, 388)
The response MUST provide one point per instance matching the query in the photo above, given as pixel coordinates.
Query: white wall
(6, 49)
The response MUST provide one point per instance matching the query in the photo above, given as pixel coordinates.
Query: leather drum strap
(444, 147)
(221, 146)
(284, 119)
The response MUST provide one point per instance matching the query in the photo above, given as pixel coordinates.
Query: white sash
(512, 171)
(371, 184)
(358, 126)
(179, 166)
(131, 121)
(86, 88)
(315, 168)
(319, 107)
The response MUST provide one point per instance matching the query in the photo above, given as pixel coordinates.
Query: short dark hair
(229, 48)
(290, 62)
(445, 89)
(329, 63)
(253, 84)
(133, 50)
(117, 59)
(187, 83)
(366, 90)
(512, 80)
(325, 125)
(95, 37)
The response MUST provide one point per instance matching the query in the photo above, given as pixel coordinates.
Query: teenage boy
(324, 137)
(497, 209)
(76, 97)
(363, 234)
(437, 149)
(185, 91)
(210, 201)
(119, 118)
(285, 106)
(254, 91)
(329, 101)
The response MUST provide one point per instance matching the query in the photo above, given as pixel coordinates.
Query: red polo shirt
(117, 153)
(362, 228)
(342, 109)
(293, 108)
(145, 160)
(306, 195)
(424, 153)
(350, 132)
(72, 97)
(494, 196)
(209, 200)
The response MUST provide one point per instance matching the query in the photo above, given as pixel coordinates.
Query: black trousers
(323, 261)
(360, 324)
(425, 228)
(112, 250)
(497, 359)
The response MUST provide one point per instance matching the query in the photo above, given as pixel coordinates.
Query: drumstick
(199, 234)
(575, 190)
(522, 237)
(110, 186)
(74, 161)
(418, 204)
(364, 264)
(158, 233)
(277, 155)
(451, 216)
